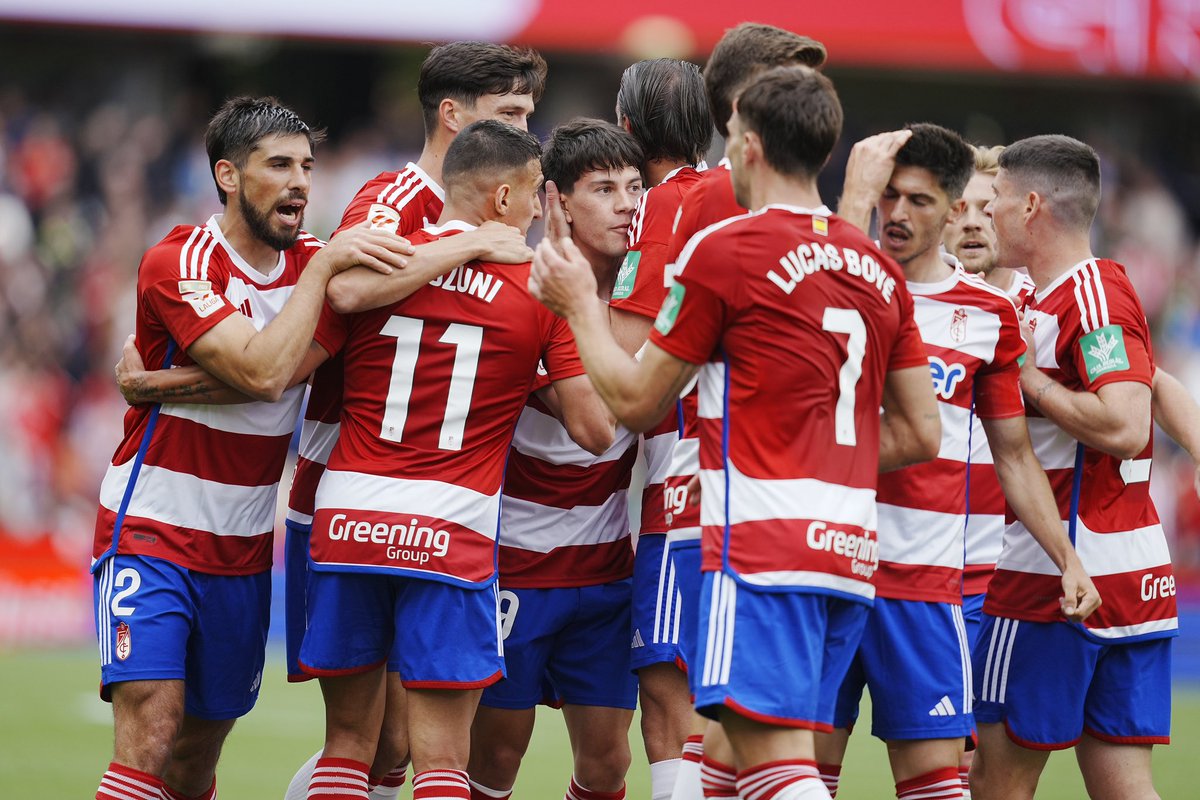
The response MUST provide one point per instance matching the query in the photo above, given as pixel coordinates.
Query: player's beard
(259, 223)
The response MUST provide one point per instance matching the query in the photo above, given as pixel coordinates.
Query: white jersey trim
(540, 529)
(364, 492)
(317, 440)
(761, 499)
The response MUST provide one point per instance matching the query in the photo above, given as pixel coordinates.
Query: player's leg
(972, 609)
(600, 749)
(193, 766)
(391, 754)
(146, 719)
(831, 746)
(1114, 771)
(1002, 769)
(499, 740)
(683, 545)
(718, 775)
(926, 768)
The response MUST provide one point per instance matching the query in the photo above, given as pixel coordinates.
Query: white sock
(687, 782)
(298, 788)
(662, 778)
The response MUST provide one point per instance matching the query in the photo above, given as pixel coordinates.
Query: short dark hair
(1065, 172)
(466, 71)
(488, 146)
(667, 107)
(746, 50)
(242, 122)
(796, 113)
(582, 145)
(943, 153)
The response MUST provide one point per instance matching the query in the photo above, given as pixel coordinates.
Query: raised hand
(502, 244)
(561, 277)
(557, 227)
(365, 246)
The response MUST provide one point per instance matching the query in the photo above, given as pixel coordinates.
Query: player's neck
(928, 267)
(254, 251)
(658, 169)
(771, 188)
(432, 157)
(1055, 254)
(1001, 277)
(462, 213)
(604, 267)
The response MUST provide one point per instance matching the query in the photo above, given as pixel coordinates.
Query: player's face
(513, 109)
(600, 208)
(735, 147)
(1005, 209)
(524, 203)
(273, 189)
(912, 214)
(970, 236)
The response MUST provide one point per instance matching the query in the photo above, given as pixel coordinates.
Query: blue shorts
(295, 577)
(156, 620)
(656, 604)
(915, 660)
(1049, 684)
(775, 657)
(437, 636)
(972, 609)
(685, 558)
(576, 639)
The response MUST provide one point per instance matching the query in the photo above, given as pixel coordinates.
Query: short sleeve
(998, 382)
(187, 308)
(332, 330)
(370, 205)
(697, 309)
(641, 281)
(909, 349)
(1119, 349)
(560, 357)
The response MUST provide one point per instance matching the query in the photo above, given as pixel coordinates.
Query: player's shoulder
(1101, 288)
(305, 247)
(186, 252)
(982, 294)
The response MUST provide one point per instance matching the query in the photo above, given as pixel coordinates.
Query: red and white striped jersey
(794, 317)
(985, 500)
(973, 340)
(708, 201)
(203, 495)
(402, 202)
(1089, 331)
(640, 288)
(566, 511)
(434, 386)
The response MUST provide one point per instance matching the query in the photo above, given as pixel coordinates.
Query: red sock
(577, 792)
(390, 783)
(338, 779)
(717, 779)
(775, 778)
(831, 776)
(693, 749)
(441, 784)
(171, 794)
(962, 776)
(481, 792)
(941, 784)
(120, 782)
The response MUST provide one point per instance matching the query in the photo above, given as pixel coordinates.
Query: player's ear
(566, 207)
(502, 199)
(450, 115)
(227, 176)
(1034, 205)
(956, 210)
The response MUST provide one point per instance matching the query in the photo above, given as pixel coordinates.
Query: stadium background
(102, 109)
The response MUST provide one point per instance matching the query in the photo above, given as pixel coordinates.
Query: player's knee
(602, 768)
(499, 758)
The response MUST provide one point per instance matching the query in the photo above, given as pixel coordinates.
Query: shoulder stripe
(184, 251)
(1090, 297)
(207, 255)
(639, 214)
(194, 259)
(406, 188)
(1100, 295)
(397, 187)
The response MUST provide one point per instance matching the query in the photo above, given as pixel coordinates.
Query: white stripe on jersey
(762, 499)
(920, 537)
(1140, 629)
(933, 318)
(540, 528)
(208, 256)
(543, 437)
(1053, 447)
(1090, 297)
(710, 391)
(183, 253)
(685, 458)
(1101, 553)
(1045, 338)
(820, 580)
(403, 181)
(456, 504)
(317, 439)
(258, 419)
(187, 501)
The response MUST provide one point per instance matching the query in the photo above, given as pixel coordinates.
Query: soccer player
(795, 353)
(566, 560)
(404, 532)
(1042, 683)
(662, 102)
(915, 656)
(182, 549)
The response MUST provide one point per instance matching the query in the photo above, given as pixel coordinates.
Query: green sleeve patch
(670, 309)
(626, 275)
(1104, 351)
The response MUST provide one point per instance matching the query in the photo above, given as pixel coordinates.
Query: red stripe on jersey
(580, 565)
(241, 459)
(976, 578)
(938, 486)
(919, 582)
(986, 496)
(304, 486)
(679, 512)
(658, 444)
(199, 550)
(566, 485)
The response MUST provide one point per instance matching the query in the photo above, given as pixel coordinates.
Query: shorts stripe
(499, 623)
(1000, 647)
(103, 623)
(666, 624)
(964, 651)
(719, 652)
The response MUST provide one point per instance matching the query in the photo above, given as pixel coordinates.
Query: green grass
(56, 739)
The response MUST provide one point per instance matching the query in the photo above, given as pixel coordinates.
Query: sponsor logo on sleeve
(199, 294)
(626, 275)
(1104, 351)
(670, 310)
(383, 218)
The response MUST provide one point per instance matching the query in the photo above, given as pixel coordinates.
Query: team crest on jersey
(383, 218)
(820, 226)
(626, 276)
(670, 310)
(124, 641)
(958, 325)
(946, 377)
(1104, 351)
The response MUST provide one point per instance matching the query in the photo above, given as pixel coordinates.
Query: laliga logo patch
(124, 641)
(946, 377)
(383, 218)
(958, 325)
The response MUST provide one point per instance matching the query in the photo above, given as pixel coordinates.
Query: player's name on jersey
(860, 548)
(471, 281)
(808, 258)
(413, 542)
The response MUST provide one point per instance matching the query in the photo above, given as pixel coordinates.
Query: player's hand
(364, 246)
(1080, 597)
(868, 171)
(562, 278)
(130, 371)
(501, 244)
(557, 227)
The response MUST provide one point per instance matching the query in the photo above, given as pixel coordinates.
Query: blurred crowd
(83, 193)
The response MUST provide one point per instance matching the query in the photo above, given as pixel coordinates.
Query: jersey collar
(1041, 293)
(213, 226)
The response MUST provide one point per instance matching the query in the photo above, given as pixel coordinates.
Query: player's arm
(910, 428)
(629, 329)
(1177, 413)
(1115, 419)
(1028, 492)
(585, 416)
(262, 364)
(638, 392)
(868, 171)
(363, 289)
